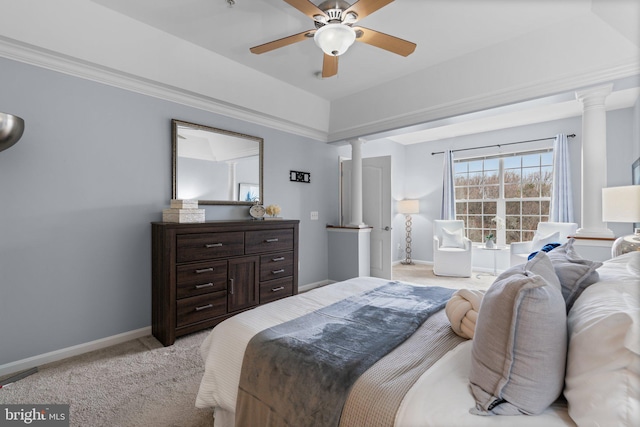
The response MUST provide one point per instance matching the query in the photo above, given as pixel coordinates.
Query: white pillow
(452, 239)
(539, 241)
(602, 383)
(633, 266)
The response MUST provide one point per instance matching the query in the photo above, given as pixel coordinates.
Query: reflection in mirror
(215, 166)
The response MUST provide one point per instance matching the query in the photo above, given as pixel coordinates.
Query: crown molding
(65, 64)
(630, 67)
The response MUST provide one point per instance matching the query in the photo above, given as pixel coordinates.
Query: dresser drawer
(276, 289)
(274, 266)
(201, 246)
(202, 307)
(201, 278)
(268, 241)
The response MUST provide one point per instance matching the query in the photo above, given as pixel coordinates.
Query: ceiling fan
(335, 33)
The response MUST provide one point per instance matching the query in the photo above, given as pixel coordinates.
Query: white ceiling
(442, 30)
(471, 55)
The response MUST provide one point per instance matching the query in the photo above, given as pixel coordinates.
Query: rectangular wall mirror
(215, 166)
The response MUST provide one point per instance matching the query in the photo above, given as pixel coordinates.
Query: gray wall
(80, 188)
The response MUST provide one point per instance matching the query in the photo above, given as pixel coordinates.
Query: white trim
(31, 55)
(54, 356)
(309, 286)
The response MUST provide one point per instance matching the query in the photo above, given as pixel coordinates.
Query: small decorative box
(182, 215)
(184, 204)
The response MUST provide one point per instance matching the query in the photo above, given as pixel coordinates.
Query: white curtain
(561, 194)
(448, 210)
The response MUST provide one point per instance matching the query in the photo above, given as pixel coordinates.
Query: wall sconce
(408, 207)
(11, 129)
(622, 204)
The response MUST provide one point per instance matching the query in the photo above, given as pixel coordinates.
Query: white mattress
(440, 398)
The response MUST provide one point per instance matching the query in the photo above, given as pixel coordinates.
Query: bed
(602, 382)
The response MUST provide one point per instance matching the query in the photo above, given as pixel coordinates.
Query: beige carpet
(137, 383)
(140, 383)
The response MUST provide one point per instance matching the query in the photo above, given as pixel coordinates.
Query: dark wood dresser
(203, 273)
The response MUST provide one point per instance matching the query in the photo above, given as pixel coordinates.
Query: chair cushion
(575, 273)
(520, 342)
(539, 240)
(452, 239)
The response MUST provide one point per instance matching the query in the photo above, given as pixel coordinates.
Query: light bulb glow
(334, 39)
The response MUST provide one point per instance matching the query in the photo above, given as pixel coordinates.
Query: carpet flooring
(140, 383)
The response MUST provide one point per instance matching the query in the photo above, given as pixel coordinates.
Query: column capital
(594, 96)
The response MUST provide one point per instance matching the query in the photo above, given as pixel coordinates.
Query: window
(516, 188)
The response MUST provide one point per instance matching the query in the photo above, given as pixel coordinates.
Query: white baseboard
(54, 356)
(309, 286)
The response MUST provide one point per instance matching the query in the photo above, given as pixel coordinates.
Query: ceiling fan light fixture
(334, 39)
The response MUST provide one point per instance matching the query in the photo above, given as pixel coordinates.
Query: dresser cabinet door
(243, 289)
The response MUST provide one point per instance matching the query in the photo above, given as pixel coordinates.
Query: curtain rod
(500, 145)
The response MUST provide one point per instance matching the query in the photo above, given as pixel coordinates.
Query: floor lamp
(408, 207)
(622, 204)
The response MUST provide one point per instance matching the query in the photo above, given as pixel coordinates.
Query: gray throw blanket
(299, 373)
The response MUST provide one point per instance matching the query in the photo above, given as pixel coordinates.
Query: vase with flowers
(272, 211)
(488, 240)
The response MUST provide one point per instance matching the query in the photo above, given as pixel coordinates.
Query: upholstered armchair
(547, 232)
(451, 249)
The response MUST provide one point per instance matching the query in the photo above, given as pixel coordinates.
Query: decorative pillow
(575, 273)
(452, 239)
(539, 241)
(462, 311)
(602, 384)
(520, 342)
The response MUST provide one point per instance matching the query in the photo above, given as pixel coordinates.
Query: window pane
(529, 222)
(544, 208)
(475, 208)
(461, 179)
(530, 208)
(512, 162)
(492, 164)
(531, 160)
(512, 222)
(475, 166)
(546, 158)
(461, 208)
(491, 178)
(513, 236)
(490, 208)
(461, 193)
(512, 176)
(491, 192)
(512, 208)
(475, 192)
(527, 236)
(459, 167)
(546, 181)
(475, 235)
(511, 191)
(530, 189)
(474, 222)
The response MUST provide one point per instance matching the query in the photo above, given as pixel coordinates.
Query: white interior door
(376, 208)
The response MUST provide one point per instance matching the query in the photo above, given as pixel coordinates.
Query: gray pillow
(575, 273)
(520, 343)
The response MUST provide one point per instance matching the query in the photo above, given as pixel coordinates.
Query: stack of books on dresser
(183, 211)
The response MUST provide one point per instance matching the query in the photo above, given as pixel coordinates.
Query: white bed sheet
(440, 398)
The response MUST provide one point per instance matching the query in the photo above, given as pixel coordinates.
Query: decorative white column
(233, 187)
(356, 184)
(594, 161)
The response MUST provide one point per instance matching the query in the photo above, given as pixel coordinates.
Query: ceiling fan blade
(363, 8)
(306, 7)
(282, 42)
(329, 66)
(385, 41)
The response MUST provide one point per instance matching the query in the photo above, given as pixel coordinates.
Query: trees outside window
(516, 188)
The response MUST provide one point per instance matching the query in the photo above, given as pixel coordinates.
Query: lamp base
(626, 244)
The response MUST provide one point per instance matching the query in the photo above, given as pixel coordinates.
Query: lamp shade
(408, 207)
(621, 204)
(334, 39)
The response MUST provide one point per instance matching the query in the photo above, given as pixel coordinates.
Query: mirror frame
(174, 159)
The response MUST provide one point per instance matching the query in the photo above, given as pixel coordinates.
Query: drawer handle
(280, 288)
(213, 245)
(204, 307)
(231, 286)
(206, 285)
(204, 270)
(277, 259)
(271, 240)
(278, 271)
